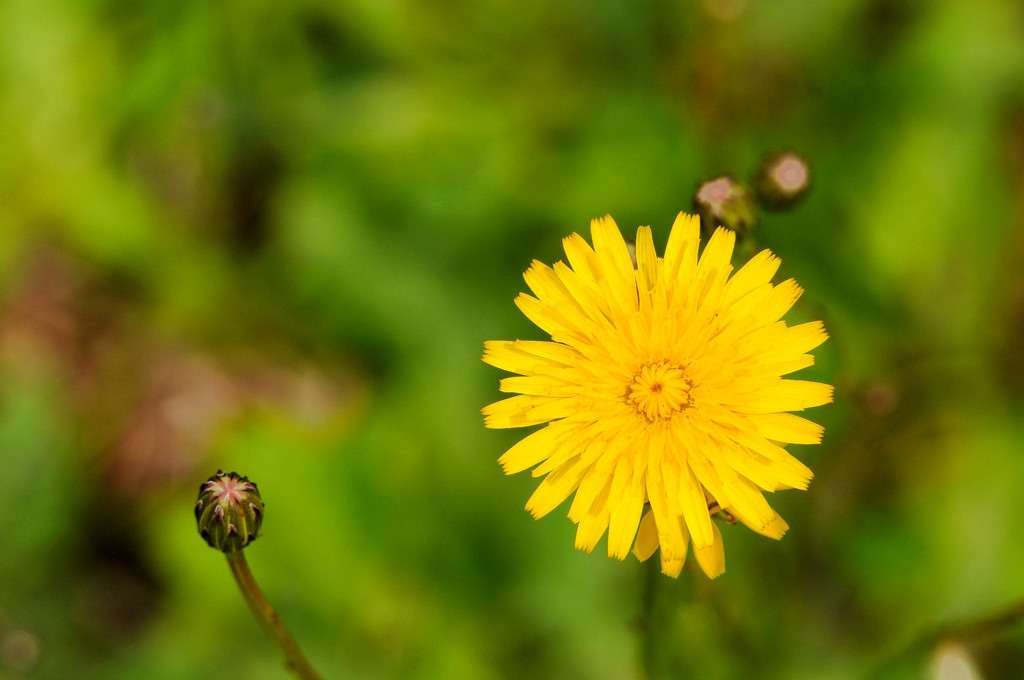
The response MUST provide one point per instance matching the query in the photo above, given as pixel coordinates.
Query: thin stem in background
(649, 625)
(294, 659)
(963, 631)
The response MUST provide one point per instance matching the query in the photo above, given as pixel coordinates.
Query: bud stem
(294, 658)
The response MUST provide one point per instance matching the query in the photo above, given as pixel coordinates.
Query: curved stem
(966, 631)
(294, 658)
(984, 626)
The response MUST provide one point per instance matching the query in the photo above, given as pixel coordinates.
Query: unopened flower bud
(782, 180)
(229, 511)
(724, 202)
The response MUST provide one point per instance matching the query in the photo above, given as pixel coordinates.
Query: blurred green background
(272, 237)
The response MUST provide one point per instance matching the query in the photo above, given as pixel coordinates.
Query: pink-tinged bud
(229, 511)
(724, 202)
(782, 180)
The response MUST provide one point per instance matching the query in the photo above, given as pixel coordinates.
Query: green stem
(294, 658)
(648, 625)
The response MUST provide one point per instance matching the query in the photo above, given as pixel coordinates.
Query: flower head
(229, 511)
(662, 392)
(724, 202)
(782, 180)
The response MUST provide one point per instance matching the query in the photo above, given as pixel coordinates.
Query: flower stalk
(295, 660)
(229, 514)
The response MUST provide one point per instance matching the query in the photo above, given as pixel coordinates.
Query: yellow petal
(711, 558)
(591, 528)
(775, 528)
(549, 319)
(595, 485)
(524, 356)
(786, 427)
(750, 502)
(646, 537)
(781, 299)
(581, 257)
(626, 506)
(672, 566)
(555, 488)
(670, 536)
(646, 259)
(525, 410)
(607, 236)
(784, 395)
(681, 251)
(545, 284)
(717, 255)
(618, 284)
(695, 508)
(538, 446)
(586, 294)
(757, 272)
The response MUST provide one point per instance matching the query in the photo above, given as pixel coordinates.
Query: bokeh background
(271, 237)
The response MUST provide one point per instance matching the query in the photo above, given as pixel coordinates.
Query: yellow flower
(661, 388)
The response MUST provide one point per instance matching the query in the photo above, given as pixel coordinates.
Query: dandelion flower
(661, 392)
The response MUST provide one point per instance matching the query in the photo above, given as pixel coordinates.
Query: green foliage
(272, 237)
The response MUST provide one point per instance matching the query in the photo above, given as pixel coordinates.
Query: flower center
(659, 390)
(229, 490)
